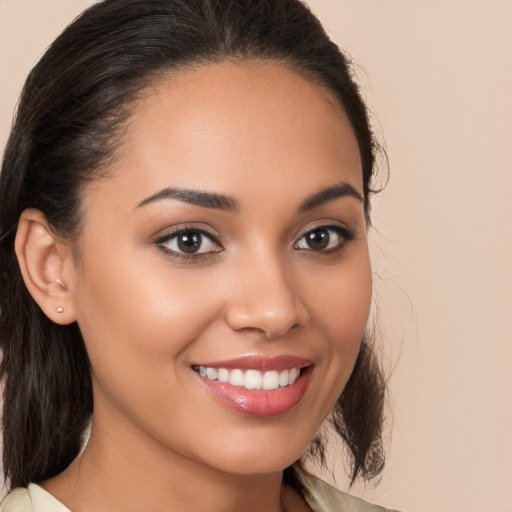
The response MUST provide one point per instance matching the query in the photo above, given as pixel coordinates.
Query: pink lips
(261, 403)
(261, 363)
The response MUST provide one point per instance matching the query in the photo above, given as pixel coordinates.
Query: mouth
(251, 379)
(257, 386)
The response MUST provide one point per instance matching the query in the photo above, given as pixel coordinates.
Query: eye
(325, 239)
(188, 242)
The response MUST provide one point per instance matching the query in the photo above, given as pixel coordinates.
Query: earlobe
(46, 265)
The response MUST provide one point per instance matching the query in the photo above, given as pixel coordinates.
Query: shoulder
(31, 499)
(17, 501)
(322, 497)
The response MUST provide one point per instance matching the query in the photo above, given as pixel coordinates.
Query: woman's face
(229, 241)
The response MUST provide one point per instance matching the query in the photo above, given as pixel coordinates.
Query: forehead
(237, 128)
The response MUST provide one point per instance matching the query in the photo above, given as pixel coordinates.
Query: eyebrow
(221, 202)
(330, 194)
(196, 197)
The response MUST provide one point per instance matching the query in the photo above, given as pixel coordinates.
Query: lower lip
(259, 402)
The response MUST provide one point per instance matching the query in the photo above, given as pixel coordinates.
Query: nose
(264, 300)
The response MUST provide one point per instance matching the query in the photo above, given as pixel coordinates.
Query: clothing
(320, 496)
(31, 499)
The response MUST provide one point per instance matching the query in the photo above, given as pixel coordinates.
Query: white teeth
(222, 375)
(252, 379)
(270, 380)
(292, 375)
(283, 378)
(211, 373)
(236, 377)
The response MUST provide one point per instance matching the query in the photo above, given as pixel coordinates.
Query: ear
(47, 266)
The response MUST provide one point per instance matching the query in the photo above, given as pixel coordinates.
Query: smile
(257, 386)
(251, 378)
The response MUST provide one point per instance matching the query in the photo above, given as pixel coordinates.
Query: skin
(268, 138)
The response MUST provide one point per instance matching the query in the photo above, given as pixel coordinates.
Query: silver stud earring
(60, 309)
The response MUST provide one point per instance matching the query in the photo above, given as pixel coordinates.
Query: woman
(184, 208)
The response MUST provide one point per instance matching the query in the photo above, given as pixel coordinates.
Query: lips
(257, 386)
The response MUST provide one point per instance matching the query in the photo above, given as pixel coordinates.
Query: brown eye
(318, 240)
(324, 239)
(189, 242)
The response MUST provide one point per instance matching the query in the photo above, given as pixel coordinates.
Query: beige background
(438, 76)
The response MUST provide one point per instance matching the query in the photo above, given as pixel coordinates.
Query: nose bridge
(263, 296)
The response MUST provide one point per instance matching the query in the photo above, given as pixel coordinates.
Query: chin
(264, 464)
(269, 455)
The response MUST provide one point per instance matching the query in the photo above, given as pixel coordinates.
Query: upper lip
(261, 363)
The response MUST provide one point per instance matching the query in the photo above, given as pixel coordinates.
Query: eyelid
(347, 234)
(324, 223)
(164, 236)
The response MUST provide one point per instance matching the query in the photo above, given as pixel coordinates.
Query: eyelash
(346, 235)
(186, 230)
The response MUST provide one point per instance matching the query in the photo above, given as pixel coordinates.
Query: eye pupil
(318, 240)
(189, 242)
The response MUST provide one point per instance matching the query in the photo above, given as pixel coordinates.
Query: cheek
(137, 317)
(342, 303)
(139, 322)
(341, 309)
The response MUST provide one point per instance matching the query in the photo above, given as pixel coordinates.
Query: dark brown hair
(68, 125)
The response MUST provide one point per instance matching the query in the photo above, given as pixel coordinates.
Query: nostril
(272, 335)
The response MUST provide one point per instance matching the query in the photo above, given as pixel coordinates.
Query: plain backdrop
(438, 78)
